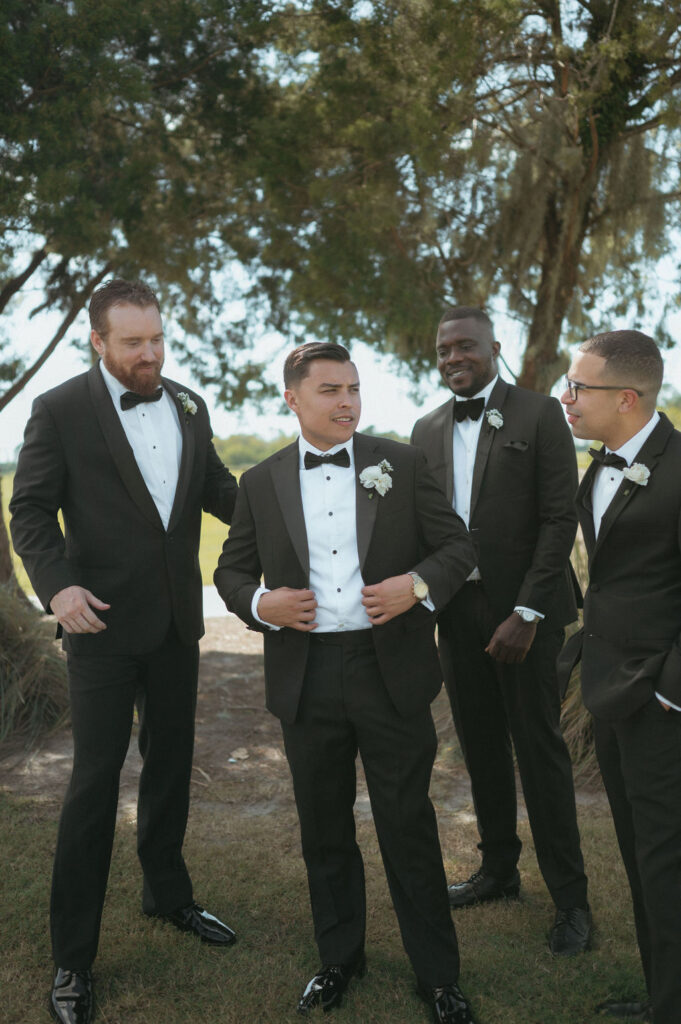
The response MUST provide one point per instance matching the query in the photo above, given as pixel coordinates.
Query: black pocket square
(518, 446)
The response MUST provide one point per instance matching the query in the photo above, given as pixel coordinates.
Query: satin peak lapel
(367, 453)
(187, 457)
(119, 448)
(585, 506)
(448, 444)
(286, 479)
(486, 439)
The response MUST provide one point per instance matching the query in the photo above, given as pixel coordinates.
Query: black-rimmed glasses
(574, 387)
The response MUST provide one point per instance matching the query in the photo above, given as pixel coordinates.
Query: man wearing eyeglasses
(505, 459)
(629, 506)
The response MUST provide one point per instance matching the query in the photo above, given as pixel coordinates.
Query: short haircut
(631, 357)
(297, 365)
(467, 313)
(118, 292)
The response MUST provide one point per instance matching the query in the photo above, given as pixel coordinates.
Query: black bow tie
(129, 399)
(608, 458)
(340, 458)
(471, 409)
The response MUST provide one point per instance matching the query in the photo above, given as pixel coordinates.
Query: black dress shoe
(197, 920)
(71, 998)
(626, 1011)
(571, 932)
(448, 1004)
(327, 987)
(482, 888)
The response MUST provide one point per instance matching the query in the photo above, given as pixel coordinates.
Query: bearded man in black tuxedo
(127, 457)
(504, 458)
(629, 507)
(357, 548)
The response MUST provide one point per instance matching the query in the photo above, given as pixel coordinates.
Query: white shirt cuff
(254, 608)
(524, 608)
(660, 697)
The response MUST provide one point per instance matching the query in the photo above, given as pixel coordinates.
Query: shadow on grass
(248, 870)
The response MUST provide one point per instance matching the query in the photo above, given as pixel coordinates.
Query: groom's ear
(97, 343)
(290, 399)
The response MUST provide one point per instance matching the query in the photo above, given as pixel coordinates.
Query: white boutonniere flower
(494, 418)
(637, 473)
(189, 407)
(377, 477)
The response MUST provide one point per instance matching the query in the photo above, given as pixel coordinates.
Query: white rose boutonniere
(637, 473)
(377, 478)
(494, 418)
(189, 407)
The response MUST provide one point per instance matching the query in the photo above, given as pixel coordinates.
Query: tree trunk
(565, 227)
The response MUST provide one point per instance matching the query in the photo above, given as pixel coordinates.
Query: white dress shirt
(330, 511)
(155, 436)
(608, 479)
(466, 436)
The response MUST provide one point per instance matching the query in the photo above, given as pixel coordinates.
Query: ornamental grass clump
(33, 686)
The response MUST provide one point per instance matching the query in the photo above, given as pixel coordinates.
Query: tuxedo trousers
(640, 761)
(497, 707)
(345, 709)
(104, 691)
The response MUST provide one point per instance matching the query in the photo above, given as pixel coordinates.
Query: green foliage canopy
(123, 131)
(505, 153)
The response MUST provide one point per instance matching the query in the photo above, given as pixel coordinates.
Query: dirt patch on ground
(237, 741)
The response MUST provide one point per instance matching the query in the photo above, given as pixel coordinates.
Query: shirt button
(330, 513)
(328, 478)
(334, 552)
(338, 590)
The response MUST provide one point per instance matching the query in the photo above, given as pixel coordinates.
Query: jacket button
(594, 587)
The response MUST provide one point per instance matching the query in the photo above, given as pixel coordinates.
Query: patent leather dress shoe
(626, 1011)
(571, 932)
(483, 888)
(448, 1004)
(202, 924)
(71, 998)
(327, 987)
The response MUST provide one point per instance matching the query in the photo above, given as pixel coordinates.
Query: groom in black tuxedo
(357, 548)
(629, 507)
(127, 457)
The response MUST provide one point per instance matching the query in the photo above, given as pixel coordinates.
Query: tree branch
(16, 283)
(76, 306)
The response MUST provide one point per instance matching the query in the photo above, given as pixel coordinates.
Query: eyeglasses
(574, 387)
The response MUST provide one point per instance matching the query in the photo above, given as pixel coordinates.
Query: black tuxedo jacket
(76, 458)
(410, 527)
(522, 520)
(630, 644)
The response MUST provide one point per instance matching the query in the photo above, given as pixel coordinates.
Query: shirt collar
(485, 393)
(630, 449)
(305, 446)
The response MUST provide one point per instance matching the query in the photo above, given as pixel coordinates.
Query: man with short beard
(127, 457)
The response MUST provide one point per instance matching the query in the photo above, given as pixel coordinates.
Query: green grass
(248, 869)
